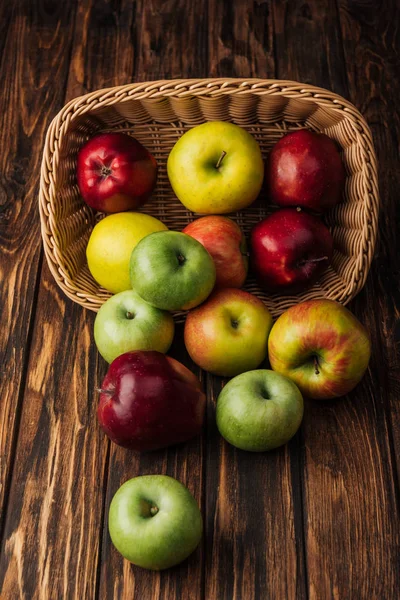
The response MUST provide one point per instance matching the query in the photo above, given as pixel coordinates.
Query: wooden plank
(254, 542)
(54, 524)
(168, 35)
(350, 504)
(33, 57)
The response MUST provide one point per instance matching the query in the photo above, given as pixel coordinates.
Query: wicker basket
(158, 113)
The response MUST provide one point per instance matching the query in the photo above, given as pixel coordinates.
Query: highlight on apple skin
(226, 243)
(228, 334)
(321, 346)
(259, 410)
(216, 168)
(154, 522)
(149, 400)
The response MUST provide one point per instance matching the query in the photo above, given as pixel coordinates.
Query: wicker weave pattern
(158, 113)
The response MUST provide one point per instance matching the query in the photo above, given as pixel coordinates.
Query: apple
(305, 169)
(115, 172)
(110, 247)
(126, 322)
(228, 334)
(154, 521)
(172, 271)
(259, 410)
(149, 401)
(216, 168)
(321, 346)
(225, 242)
(289, 250)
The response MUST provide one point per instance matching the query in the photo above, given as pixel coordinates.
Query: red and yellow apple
(226, 244)
(321, 346)
(228, 334)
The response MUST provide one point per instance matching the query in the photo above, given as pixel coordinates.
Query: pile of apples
(149, 400)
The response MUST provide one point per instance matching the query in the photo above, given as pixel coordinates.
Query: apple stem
(221, 158)
(153, 510)
(298, 208)
(316, 365)
(106, 392)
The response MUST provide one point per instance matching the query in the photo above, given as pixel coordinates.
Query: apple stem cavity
(153, 510)
(129, 315)
(105, 171)
(221, 158)
(181, 259)
(316, 365)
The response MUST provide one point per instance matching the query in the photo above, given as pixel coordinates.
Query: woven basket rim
(158, 90)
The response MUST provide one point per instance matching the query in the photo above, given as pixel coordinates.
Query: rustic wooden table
(317, 519)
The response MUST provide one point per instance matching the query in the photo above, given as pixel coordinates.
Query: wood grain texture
(162, 51)
(317, 519)
(66, 461)
(254, 544)
(33, 57)
(348, 477)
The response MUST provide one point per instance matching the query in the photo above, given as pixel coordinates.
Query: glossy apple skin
(289, 250)
(305, 169)
(126, 323)
(150, 401)
(154, 521)
(115, 173)
(203, 187)
(172, 271)
(228, 334)
(321, 346)
(225, 242)
(259, 410)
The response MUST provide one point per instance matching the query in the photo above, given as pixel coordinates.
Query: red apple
(289, 250)
(149, 401)
(305, 169)
(226, 243)
(115, 172)
(321, 346)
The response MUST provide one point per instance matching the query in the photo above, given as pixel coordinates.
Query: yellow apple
(216, 168)
(110, 247)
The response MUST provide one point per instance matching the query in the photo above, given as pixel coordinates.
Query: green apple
(110, 247)
(172, 270)
(228, 334)
(154, 521)
(216, 168)
(321, 346)
(259, 410)
(126, 323)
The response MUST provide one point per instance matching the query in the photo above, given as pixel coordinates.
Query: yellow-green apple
(149, 400)
(110, 247)
(226, 243)
(321, 346)
(115, 172)
(172, 271)
(228, 334)
(216, 168)
(126, 322)
(154, 521)
(259, 410)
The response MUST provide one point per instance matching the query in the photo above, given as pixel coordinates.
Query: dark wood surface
(317, 519)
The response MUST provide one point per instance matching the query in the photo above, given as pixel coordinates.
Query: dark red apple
(115, 172)
(305, 169)
(290, 250)
(149, 401)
